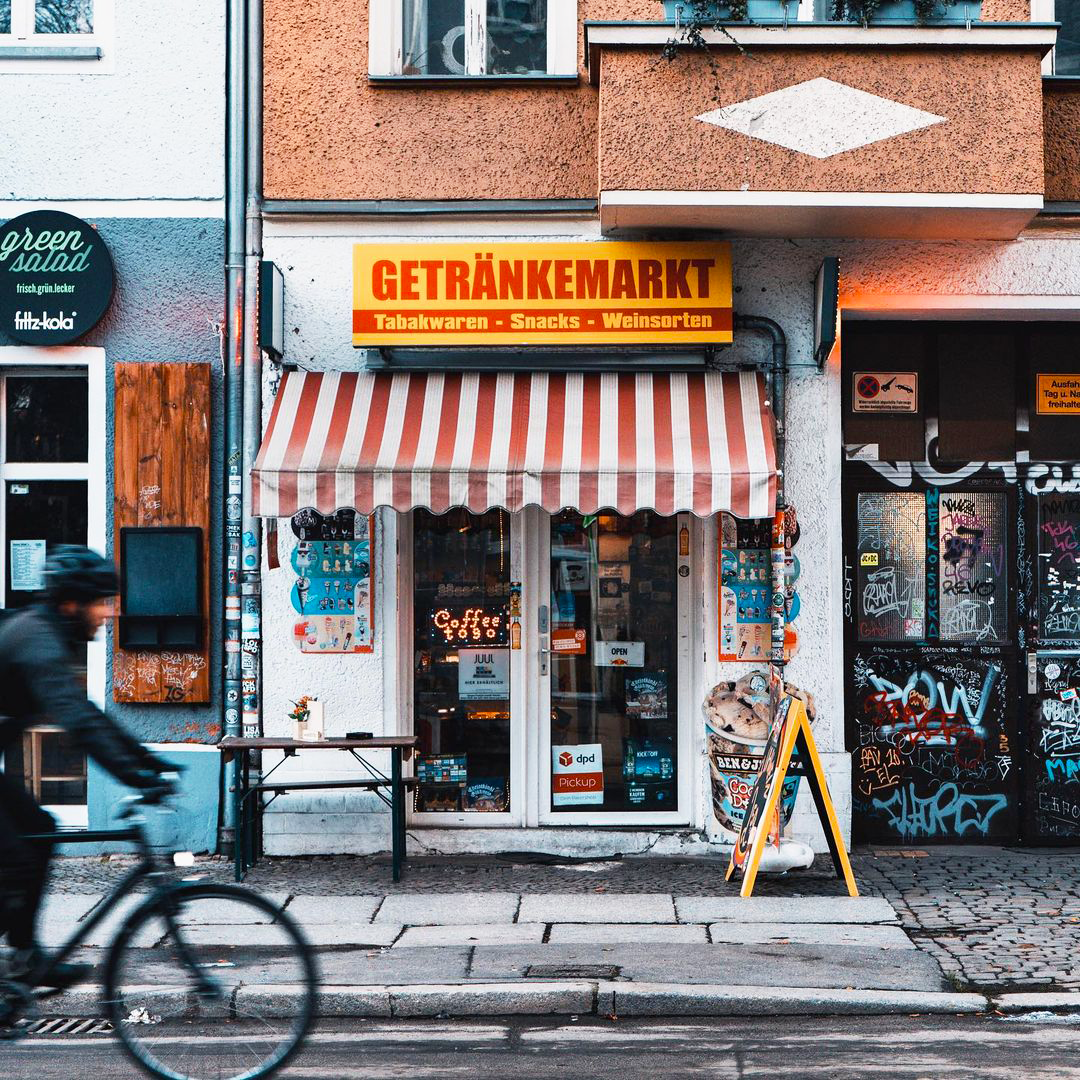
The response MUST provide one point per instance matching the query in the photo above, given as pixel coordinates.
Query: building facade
(116, 427)
(935, 161)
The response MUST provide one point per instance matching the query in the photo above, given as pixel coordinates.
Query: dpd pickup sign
(56, 278)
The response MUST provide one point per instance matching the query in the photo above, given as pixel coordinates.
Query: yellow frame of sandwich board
(794, 732)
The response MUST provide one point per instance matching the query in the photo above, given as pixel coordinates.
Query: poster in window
(1059, 567)
(972, 566)
(483, 674)
(891, 566)
(27, 565)
(745, 589)
(647, 696)
(333, 588)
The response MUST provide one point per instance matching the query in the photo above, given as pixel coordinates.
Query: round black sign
(56, 278)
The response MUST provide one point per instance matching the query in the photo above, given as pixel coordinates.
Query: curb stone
(1046, 1000)
(530, 997)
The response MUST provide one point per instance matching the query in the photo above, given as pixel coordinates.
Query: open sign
(620, 654)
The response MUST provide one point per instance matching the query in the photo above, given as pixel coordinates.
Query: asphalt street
(909, 1048)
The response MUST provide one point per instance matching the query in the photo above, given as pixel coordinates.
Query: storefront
(544, 557)
(963, 624)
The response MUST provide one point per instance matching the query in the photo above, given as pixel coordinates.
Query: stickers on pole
(577, 775)
(790, 734)
(333, 589)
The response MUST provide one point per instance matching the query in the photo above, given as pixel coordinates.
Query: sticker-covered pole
(777, 400)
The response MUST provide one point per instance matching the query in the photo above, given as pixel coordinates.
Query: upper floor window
(46, 22)
(1065, 57)
(464, 38)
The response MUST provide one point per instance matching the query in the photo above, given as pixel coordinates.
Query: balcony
(816, 130)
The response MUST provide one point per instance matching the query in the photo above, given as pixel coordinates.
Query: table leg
(397, 812)
(238, 818)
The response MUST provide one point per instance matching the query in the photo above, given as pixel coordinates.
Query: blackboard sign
(56, 278)
(790, 735)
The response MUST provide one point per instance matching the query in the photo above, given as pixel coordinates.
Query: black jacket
(38, 684)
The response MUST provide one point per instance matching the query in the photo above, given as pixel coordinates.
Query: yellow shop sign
(602, 293)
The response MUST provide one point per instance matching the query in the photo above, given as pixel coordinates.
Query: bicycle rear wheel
(210, 982)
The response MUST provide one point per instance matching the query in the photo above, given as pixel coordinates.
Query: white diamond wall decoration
(820, 118)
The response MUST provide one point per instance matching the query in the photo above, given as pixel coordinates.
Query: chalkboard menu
(891, 595)
(1059, 567)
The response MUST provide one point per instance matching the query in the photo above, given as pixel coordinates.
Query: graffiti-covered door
(931, 695)
(1052, 758)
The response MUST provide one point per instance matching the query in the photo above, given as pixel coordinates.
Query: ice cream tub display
(736, 728)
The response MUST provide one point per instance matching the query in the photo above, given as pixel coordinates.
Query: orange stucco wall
(1061, 120)
(330, 134)
(991, 142)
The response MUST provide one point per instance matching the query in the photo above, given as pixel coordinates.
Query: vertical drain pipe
(233, 378)
(251, 546)
(777, 388)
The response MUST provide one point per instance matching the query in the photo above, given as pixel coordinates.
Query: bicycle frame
(145, 868)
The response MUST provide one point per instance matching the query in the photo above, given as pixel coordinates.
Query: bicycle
(167, 969)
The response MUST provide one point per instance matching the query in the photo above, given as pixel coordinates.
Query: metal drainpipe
(777, 396)
(250, 561)
(233, 377)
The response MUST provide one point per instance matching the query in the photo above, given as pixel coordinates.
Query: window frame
(1044, 11)
(386, 52)
(22, 49)
(25, 360)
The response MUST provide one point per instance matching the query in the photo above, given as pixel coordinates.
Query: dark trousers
(24, 865)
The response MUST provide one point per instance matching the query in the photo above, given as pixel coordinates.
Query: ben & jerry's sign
(56, 278)
(541, 294)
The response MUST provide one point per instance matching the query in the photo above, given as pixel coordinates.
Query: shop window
(976, 372)
(1058, 567)
(465, 38)
(614, 663)
(1053, 393)
(972, 566)
(53, 770)
(461, 660)
(51, 467)
(891, 586)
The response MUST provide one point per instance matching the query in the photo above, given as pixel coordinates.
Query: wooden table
(248, 797)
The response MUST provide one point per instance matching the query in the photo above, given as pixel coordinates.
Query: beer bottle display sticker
(56, 278)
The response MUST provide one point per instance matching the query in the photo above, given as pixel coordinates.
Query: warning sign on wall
(1057, 394)
(885, 391)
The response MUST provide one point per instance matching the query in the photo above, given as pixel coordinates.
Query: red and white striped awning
(669, 442)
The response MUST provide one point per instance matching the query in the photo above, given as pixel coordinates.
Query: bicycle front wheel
(210, 982)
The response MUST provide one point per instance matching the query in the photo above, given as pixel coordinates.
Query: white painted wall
(772, 278)
(145, 122)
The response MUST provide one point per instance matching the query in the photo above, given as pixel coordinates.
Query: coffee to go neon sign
(455, 625)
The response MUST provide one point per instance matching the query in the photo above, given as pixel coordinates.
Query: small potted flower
(307, 714)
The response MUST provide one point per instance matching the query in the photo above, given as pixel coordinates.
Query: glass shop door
(613, 638)
(464, 666)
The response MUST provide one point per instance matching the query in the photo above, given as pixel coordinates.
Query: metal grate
(65, 1025)
(572, 971)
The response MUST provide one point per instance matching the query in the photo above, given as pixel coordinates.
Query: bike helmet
(77, 573)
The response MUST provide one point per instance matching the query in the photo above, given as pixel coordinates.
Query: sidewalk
(947, 930)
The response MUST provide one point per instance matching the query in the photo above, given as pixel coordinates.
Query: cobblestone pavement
(993, 918)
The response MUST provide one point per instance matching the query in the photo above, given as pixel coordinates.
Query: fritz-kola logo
(27, 320)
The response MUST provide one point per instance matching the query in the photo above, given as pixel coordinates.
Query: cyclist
(39, 646)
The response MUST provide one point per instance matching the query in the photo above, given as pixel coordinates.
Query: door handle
(545, 654)
(1033, 673)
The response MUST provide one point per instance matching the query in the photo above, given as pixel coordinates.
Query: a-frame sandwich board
(790, 732)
